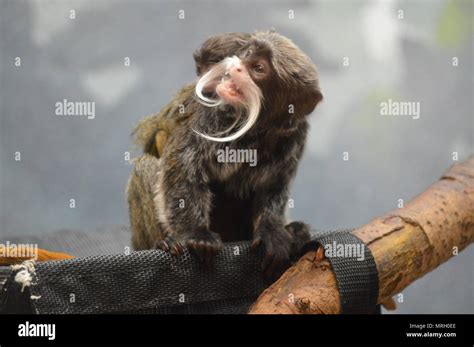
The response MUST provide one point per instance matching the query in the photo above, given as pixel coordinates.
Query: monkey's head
(269, 73)
(218, 47)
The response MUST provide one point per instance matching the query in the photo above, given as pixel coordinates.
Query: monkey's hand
(205, 244)
(170, 244)
(277, 242)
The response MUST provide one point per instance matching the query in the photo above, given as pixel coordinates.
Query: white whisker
(252, 100)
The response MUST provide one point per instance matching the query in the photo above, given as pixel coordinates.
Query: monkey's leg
(146, 231)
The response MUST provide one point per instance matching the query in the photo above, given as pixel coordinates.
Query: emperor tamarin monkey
(257, 98)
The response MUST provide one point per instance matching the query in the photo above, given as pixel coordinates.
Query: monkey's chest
(241, 178)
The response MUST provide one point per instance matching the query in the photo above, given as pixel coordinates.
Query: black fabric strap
(356, 275)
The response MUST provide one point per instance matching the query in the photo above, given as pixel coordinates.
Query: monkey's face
(231, 83)
(271, 71)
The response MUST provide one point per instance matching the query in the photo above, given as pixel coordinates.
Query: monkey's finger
(169, 244)
(196, 248)
(176, 248)
(192, 246)
(162, 245)
(213, 249)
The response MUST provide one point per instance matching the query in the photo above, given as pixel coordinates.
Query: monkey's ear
(305, 103)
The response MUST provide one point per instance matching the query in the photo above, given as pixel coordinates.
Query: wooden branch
(406, 244)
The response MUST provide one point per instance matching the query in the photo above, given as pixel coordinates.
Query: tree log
(406, 244)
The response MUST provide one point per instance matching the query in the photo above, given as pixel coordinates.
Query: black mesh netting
(150, 280)
(156, 282)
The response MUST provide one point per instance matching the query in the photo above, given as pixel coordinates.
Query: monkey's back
(152, 132)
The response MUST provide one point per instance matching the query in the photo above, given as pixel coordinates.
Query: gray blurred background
(82, 59)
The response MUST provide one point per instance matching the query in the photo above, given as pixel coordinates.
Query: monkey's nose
(236, 69)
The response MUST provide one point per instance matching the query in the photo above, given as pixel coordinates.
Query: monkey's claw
(205, 245)
(170, 244)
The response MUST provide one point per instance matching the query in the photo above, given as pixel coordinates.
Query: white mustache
(251, 106)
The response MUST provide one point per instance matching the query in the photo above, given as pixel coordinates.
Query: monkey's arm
(282, 242)
(183, 198)
(269, 209)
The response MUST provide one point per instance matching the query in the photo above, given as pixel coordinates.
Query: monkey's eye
(258, 68)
